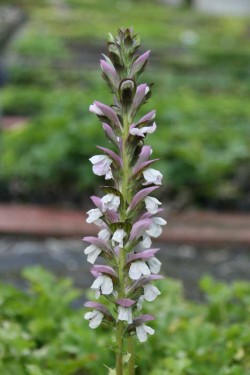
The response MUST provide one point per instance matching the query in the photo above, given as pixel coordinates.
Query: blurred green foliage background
(200, 66)
(40, 333)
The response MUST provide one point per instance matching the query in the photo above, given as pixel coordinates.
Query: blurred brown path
(193, 227)
(13, 122)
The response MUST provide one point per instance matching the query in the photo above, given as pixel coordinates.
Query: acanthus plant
(127, 214)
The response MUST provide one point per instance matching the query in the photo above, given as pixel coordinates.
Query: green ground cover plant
(201, 73)
(40, 332)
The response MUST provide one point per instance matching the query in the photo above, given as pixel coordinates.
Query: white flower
(144, 130)
(92, 253)
(139, 303)
(102, 285)
(94, 216)
(95, 109)
(142, 332)
(154, 265)
(152, 204)
(118, 236)
(137, 269)
(104, 235)
(150, 292)
(152, 176)
(110, 202)
(101, 165)
(125, 313)
(108, 175)
(155, 228)
(95, 318)
(146, 241)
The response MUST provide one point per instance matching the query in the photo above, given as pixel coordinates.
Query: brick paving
(190, 227)
(65, 257)
(193, 243)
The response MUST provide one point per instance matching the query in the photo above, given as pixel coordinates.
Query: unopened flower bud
(127, 91)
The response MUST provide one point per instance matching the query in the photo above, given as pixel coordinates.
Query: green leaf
(126, 357)
(110, 370)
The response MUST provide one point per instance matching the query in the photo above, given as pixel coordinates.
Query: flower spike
(127, 212)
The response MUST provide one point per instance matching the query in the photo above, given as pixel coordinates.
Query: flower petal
(144, 255)
(107, 286)
(141, 195)
(137, 269)
(104, 110)
(154, 265)
(152, 204)
(110, 202)
(112, 155)
(141, 167)
(139, 64)
(110, 133)
(146, 242)
(125, 314)
(150, 292)
(104, 235)
(139, 229)
(94, 214)
(140, 132)
(152, 176)
(118, 236)
(92, 253)
(141, 333)
(144, 155)
(95, 320)
(101, 164)
(147, 118)
(140, 95)
(109, 70)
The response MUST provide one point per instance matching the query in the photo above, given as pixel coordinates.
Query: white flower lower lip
(103, 284)
(118, 236)
(94, 215)
(142, 332)
(125, 314)
(101, 165)
(138, 269)
(95, 109)
(104, 234)
(95, 318)
(154, 265)
(155, 228)
(141, 132)
(146, 242)
(150, 292)
(110, 202)
(92, 253)
(152, 176)
(152, 204)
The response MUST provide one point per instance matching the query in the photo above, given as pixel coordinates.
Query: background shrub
(40, 333)
(200, 68)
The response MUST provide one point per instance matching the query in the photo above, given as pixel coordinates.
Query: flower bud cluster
(127, 213)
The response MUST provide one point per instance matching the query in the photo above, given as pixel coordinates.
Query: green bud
(127, 91)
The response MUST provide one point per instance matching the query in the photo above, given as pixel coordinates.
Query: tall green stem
(119, 342)
(122, 258)
(131, 362)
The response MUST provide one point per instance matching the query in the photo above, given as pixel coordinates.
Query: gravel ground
(65, 257)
